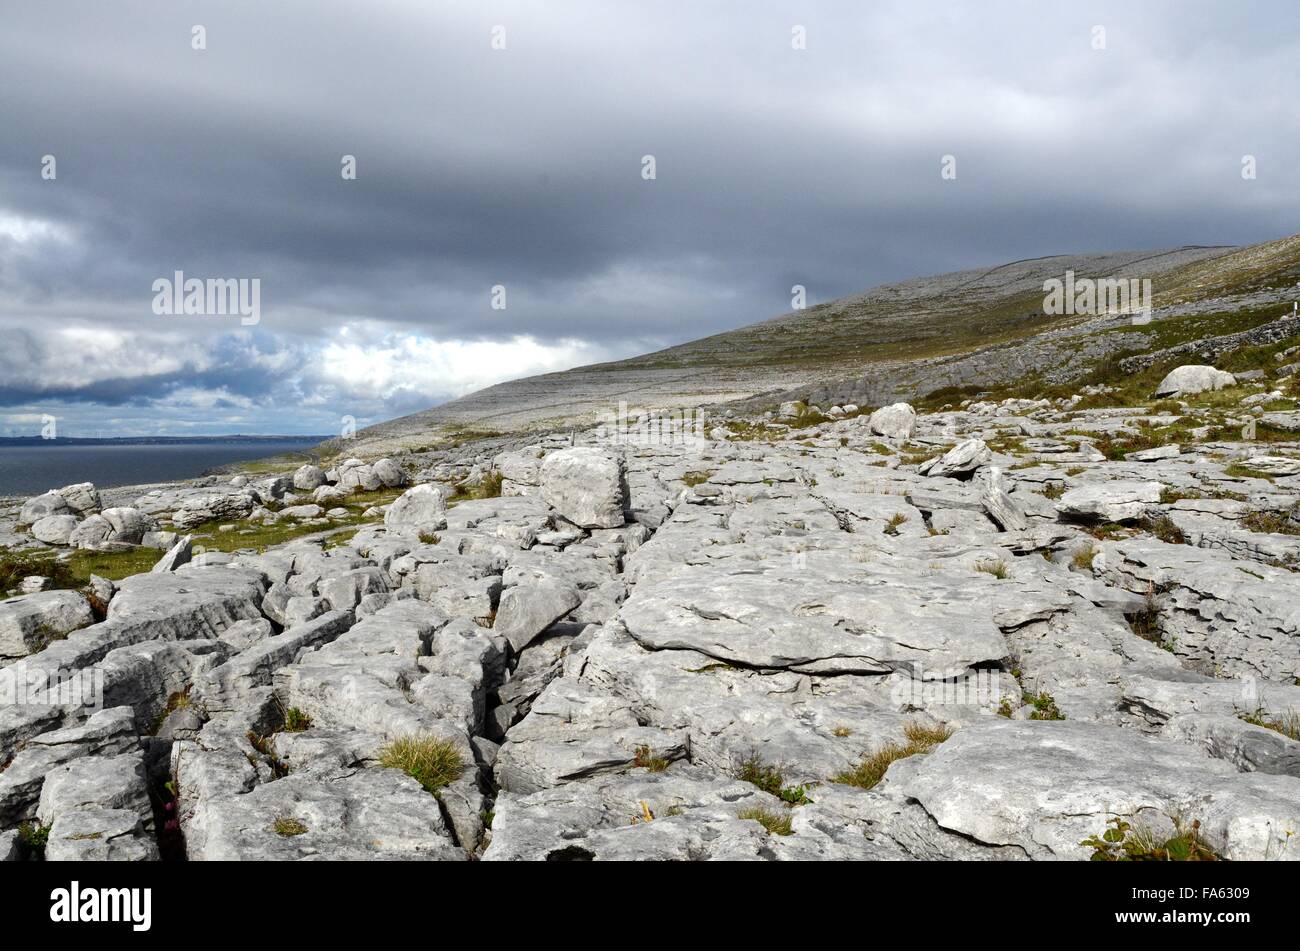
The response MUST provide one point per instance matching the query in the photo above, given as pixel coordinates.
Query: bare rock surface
(688, 649)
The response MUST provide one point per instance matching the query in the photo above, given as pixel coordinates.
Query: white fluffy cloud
(359, 364)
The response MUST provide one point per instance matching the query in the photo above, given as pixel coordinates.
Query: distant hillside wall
(1209, 349)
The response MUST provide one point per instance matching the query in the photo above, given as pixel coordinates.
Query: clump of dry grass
(872, 769)
(429, 760)
(775, 823)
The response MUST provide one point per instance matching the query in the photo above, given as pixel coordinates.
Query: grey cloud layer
(521, 167)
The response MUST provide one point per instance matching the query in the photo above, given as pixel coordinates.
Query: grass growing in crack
(1288, 723)
(770, 779)
(1237, 470)
(295, 721)
(1106, 530)
(1164, 529)
(696, 478)
(1044, 705)
(1053, 490)
(774, 823)
(429, 538)
(646, 760)
(1084, 557)
(430, 761)
(993, 566)
(32, 839)
(895, 520)
(177, 701)
(872, 769)
(289, 827)
(1123, 842)
(1272, 523)
(1145, 623)
(489, 487)
(264, 745)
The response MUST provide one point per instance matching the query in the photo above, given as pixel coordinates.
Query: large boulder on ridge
(43, 506)
(1192, 378)
(390, 474)
(308, 477)
(893, 422)
(585, 485)
(419, 506)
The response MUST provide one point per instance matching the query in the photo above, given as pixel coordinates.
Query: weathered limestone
(307, 478)
(960, 461)
(54, 529)
(526, 610)
(585, 485)
(422, 506)
(893, 422)
(1117, 501)
(30, 622)
(1191, 379)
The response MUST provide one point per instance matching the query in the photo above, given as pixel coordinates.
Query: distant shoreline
(152, 440)
(29, 466)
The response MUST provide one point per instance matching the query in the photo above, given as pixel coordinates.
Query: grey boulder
(1117, 501)
(54, 529)
(585, 485)
(1193, 378)
(419, 506)
(897, 421)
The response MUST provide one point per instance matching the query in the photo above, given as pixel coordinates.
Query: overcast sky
(522, 167)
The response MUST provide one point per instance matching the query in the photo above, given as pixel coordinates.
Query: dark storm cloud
(522, 167)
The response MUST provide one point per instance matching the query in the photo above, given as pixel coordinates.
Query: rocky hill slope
(996, 630)
(975, 329)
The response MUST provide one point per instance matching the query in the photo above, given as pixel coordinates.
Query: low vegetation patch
(32, 839)
(1238, 471)
(1145, 622)
(868, 773)
(15, 566)
(648, 761)
(1044, 705)
(775, 823)
(295, 721)
(289, 827)
(430, 761)
(1124, 842)
(895, 521)
(1272, 523)
(1163, 528)
(1288, 723)
(696, 478)
(488, 487)
(771, 780)
(993, 566)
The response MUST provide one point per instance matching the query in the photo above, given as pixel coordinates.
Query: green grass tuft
(429, 760)
(774, 823)
(289, 827)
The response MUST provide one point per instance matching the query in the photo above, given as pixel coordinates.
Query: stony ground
(995, 631)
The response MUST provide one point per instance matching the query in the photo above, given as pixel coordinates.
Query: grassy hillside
(976, 330)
